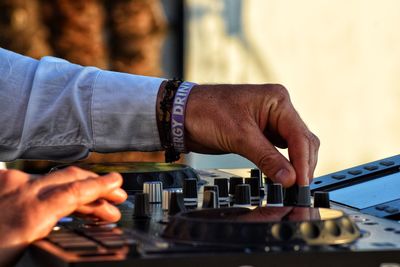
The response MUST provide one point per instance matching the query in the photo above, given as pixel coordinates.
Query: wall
(339, 59)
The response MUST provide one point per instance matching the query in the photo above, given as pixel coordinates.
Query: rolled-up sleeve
(53, 109)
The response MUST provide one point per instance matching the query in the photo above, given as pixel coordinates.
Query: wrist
(170, 112)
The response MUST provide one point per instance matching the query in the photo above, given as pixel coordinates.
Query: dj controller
(178, 216)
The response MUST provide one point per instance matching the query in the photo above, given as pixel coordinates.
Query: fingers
(116, 196)
(302, 144)
(303, 153)
(63, 176)
(62, 200)
(259, 150)
(101, 209)
(71, 174)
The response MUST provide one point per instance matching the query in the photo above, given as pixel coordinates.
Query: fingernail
(282, 175)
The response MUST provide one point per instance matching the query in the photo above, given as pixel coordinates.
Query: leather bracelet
(166, 105)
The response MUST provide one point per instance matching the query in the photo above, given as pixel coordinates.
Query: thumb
(261, 152)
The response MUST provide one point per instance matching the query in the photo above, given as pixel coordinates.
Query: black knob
(321, 199)
(274, 195)
(291, 195)
(242, 195)
(166, 196)
(233, 182)
(210, 199)
(297, 196)
(304, 196)
(223, 196)
(255, 173)
(190, 192)
(268, 181)
(141, 209)
(213, 188)
(254, 190)
(222, 184)
(176, 203)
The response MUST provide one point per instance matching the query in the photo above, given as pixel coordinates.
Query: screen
(369, 193)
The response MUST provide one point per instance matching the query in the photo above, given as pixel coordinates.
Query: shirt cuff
(123, 112)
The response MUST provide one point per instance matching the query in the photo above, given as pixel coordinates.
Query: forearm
(58, 110)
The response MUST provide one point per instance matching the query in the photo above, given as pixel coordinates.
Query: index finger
(302, 146)
(64, 199)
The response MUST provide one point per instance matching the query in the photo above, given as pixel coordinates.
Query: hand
(252, 120)
(31, 206)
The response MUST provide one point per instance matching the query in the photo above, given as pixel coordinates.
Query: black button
(338, 176)
(387, 163)
(391, 210)
(381, 207)
(83, 245)
(113, 243)
(371, 167)
(355, 172)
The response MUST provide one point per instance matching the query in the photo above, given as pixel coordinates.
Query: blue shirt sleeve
(53, 109)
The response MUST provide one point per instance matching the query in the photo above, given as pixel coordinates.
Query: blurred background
(340, 60)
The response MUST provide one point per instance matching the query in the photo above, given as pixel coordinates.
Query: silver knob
(154, 189)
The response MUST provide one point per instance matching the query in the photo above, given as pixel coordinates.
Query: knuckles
(313, 140)
(278, 91)
(72, 189)
(73, 171)
(10, 177)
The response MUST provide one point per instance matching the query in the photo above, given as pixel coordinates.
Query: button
(338, 176)
(387, 163)
(381, 207)
(391, 210)
(233, 182)
(210, 200)
(166, 197)
(176, 203)
(274, 195)
(222, 184)
(371, 167)
(190, 193)
(83, 245)
(154, 190)
(321, 199)
(254, 186)
(242, 194)
(355, 172)
(389, 229)
(304, 196)
(112, 243)
(141, 209)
